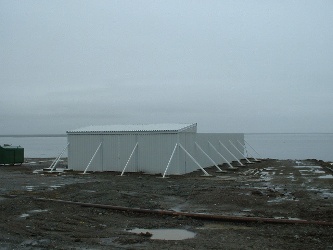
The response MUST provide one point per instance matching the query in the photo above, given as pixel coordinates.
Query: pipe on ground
(193, 215)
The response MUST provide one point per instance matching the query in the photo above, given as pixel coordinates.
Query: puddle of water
(89, 191)
(25, 215)
(270, 169)
(286, 218)
(327, 194)
(37, 171)
(178, 208)
(311, 167)
(38, 211)
(265, 173)
(165, 234)
(305, 172)
(323, 192)
(328, 176)
(52, 187)
(266, 176)
(29, 188)
(311, 171)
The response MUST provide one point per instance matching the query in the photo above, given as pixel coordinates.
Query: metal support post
(92, 158)
(248, 161)
(56, 160)
(225, 160)
(253, 149)
(219, 169)
(231, 154)
(194, 160)
(173, 152)
(136, 145)
(255, 159)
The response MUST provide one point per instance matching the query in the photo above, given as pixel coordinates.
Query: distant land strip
(36, 135)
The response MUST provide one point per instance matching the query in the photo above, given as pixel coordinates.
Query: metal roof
(165, 127)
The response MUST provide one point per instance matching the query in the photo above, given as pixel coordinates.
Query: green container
(11, 155)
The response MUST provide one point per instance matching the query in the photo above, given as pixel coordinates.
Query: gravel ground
(282, 189)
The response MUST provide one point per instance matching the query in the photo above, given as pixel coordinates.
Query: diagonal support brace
(219, 169)
(255, 159)
(56, 160)
(248, 161)
(231, 154)
(122, 173)
(167, 167)
(92, 158)
(225, 160)
(194, 160)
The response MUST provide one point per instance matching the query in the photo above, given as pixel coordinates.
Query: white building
(151, 148)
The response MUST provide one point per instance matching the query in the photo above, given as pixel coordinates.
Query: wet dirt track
(274, 189)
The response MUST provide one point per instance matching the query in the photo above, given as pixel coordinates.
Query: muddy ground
(285, 189)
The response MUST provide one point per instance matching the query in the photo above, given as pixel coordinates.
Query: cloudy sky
(230, 66)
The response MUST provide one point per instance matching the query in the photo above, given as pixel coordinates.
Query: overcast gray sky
(230, 66)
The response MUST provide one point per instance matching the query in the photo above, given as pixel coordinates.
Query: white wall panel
(153, 152)
(81, 149)
(117, 150)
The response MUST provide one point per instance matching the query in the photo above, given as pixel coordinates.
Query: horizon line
(65, 135)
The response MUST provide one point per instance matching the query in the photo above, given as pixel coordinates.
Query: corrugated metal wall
(151, 155)
(116, 151)
(153, 152)
(81, 149)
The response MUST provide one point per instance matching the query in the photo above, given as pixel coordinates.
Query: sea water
(38, 146)
(292, 146)
(276, 146)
